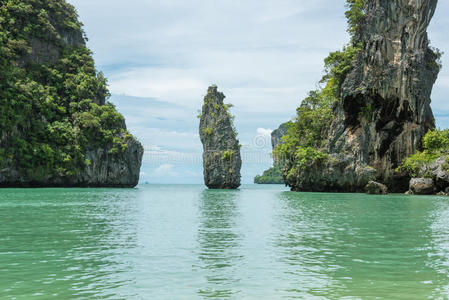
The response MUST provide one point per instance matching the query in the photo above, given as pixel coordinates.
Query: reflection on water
(218, 242)
(63, 242)
(339, 246)
(185, 242)
(439, 259)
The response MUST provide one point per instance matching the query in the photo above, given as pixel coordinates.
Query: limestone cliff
(384, 107)
(274, 174)
(276, 137)
(56, 128)
(221, 150)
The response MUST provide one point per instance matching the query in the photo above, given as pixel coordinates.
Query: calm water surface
(185, 242)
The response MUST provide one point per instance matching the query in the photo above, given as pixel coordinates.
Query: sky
(265, 55)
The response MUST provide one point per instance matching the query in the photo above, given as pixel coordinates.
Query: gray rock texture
(277, 134)
(221, 150)
(385, 109)
(105, 170)
(274, 174)
(376, 188)
(438, 171)
(276, 139)
(422, 186)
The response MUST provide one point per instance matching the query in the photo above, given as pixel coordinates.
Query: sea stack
(221, 150)
(385, 107)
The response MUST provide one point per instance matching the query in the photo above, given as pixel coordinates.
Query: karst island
(332, 181)
(56, 127)
(370, 127)
(221, 149)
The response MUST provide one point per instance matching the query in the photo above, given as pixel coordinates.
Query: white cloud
(173, 84)
(193, 174)
(164, 170)
(264, 54)
(264, 132)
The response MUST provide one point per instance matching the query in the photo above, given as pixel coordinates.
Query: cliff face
(274, 174)
(385, 109)
(221, 150)
(104, 170)
(55, 127)
(276, 138)
(277, 134)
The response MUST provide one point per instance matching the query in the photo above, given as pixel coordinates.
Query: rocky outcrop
(276, 139)
(221, 150)
(278, 134)
(422, 186)
(384, 110)
(435, 174)
(55, 128)
(104, 170)
(274, 174)
(376, 188)
(438, 170)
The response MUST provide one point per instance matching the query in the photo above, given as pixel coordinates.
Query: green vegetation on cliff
(221, 150)
(271, 176)
(355, 16)
(303, 145)
(52, 99)
(435, 144)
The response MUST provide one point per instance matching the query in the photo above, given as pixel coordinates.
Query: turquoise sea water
(186, 242)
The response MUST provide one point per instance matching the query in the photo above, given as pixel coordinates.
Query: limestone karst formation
(221, 150)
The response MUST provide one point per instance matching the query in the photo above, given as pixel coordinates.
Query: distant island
(56, 128)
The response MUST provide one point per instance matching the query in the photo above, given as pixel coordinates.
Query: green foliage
(413, 164)
(436, 140)
(435, 144)
(231, 117)
(270, 176)
(338, 65)
(306, 157)
(228, 155)
(304, 145)
(51, 113)
(437, 63)
(311, 123)
(355, 16)
(208, 130)
(228, 106)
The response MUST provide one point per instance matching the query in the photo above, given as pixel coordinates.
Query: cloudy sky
(160, 57)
